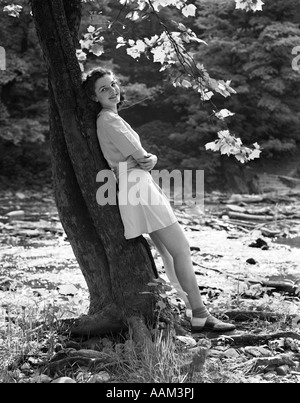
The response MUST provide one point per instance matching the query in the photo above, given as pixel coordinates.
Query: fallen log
(290, 181)
(251, 211)
(244, 216)
(241, 223)
(282, 286)
(282, 359)
(243, 316)
(234, 207)
(270, 233)
(247, 339)
(206, 267)
(279, 286)
(263, 363)
(259, 211)
(237, 198)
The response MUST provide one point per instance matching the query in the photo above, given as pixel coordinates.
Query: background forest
(254, 50)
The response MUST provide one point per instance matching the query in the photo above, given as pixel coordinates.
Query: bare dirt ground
(243, 276)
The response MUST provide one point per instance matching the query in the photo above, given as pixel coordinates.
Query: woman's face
(107, 91)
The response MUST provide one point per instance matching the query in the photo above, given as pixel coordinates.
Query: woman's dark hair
(90, 78)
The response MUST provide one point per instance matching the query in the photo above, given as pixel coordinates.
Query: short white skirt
(143, 205)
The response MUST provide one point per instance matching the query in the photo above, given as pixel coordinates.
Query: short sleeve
(119, 134)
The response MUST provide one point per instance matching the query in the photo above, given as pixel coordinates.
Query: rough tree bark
(116, 270)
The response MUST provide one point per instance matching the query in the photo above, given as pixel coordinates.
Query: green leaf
(226, 149)
(249, 5)
(254, 154)
(97, 49)
(223, 113)
(186, 84)
(13, 10)
(240, 158)
(133, 16)
(189, 10)
(91, 29)
(214, 146)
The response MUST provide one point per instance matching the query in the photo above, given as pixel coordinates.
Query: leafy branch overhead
(230, 145)
(172, 48)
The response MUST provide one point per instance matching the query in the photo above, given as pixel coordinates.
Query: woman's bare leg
(169, 267)
(176, 243)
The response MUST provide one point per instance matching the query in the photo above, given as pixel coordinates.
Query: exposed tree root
(98, 324)
(70, 358)
(266, 363)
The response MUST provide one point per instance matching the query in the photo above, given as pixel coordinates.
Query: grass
(23, 336)
(28, 328)
(157, 362)
(30, 336)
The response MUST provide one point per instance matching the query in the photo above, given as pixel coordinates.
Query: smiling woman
(121, 147)
(107, 92)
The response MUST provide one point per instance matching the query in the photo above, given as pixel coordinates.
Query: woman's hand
(148, 162)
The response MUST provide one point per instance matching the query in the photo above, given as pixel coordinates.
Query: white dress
(144, 207)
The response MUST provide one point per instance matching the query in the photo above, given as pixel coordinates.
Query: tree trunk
(116, 270)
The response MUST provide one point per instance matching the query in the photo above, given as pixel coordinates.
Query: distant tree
(23, 98)
(255, 49)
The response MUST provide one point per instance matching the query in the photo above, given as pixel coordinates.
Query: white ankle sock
(200, 312)
(199, 316)
(199, 321)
